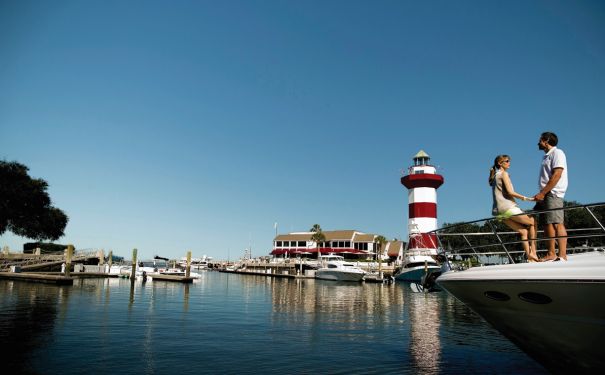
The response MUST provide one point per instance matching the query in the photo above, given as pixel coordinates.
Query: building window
(277, 243)
(302, 243)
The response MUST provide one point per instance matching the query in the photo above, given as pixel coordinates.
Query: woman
(506, 209)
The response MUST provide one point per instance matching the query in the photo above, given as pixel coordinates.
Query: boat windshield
(332, 257)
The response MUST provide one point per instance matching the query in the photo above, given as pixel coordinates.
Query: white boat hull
(553, 311)
(339, 275)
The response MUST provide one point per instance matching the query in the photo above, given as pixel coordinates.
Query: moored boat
(335, 268)
(197, 264)
(415, 267)
(554, 311)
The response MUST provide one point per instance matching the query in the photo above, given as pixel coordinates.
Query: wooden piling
(188, 269)
(70, 253)
(133, 271)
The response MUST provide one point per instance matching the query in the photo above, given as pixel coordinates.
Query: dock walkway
(37, 277)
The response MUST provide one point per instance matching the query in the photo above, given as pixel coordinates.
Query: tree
(318, 236)
(380, 241)
(25, 207)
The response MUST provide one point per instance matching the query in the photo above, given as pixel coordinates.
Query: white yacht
(197, 264)
(334, 267)
(150, 267)
(554, 311)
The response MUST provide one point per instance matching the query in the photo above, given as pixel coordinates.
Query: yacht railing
(489, 236)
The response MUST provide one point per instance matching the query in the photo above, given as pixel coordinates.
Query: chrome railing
(489, 237)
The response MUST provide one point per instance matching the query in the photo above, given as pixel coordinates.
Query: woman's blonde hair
(495, 167)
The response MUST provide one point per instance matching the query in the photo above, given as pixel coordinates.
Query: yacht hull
(555, 312)
(415, 274)
(338, 275)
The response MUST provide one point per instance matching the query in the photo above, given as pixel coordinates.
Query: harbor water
(237, 324)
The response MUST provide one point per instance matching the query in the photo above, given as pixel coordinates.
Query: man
(553, 185)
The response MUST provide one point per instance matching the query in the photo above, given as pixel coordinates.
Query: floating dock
(38, 278)
(268, 274)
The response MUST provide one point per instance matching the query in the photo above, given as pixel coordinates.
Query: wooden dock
(38, 278)
(297, 270)
(268, 274)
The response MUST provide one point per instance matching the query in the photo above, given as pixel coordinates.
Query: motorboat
(415, 267)
(197, 264)
(554, 310)
(334, 267)
(149, 267)
(418, 261)
(173, 272)
(178, 272)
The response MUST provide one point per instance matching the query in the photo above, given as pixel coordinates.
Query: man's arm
(556, 176)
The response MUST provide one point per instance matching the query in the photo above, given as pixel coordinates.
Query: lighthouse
(422, 182)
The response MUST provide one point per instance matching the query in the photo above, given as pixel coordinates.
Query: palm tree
(379, 240)
(318, 236)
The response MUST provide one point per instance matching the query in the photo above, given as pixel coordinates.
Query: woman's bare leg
(523, 231)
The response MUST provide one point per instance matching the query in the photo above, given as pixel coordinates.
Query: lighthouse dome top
(421, 154)
(421, 158)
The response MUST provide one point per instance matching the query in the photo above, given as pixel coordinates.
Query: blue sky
(196, 125)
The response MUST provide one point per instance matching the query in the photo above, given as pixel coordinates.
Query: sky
(170, 126)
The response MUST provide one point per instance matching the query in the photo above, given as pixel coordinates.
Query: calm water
(227, 323)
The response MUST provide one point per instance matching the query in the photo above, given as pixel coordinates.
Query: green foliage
(25, 207)
(318, 235)
(580, 222)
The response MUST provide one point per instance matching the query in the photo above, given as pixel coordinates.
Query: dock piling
(188, 269)
(133, 270)
(70, 252)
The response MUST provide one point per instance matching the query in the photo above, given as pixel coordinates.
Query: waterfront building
(348, 243)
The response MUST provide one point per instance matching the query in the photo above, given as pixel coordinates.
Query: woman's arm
(508, 187)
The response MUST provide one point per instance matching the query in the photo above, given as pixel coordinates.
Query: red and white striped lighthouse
(422, 182)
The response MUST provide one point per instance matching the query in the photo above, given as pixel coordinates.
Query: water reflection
(425, 344)
(186, 298)
(245, 324)
(27, 317)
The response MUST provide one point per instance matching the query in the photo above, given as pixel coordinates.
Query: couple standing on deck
(552, 185)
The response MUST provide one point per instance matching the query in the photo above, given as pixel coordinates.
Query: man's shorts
(551, 201)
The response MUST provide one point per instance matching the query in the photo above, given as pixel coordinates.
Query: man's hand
(539, 197)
